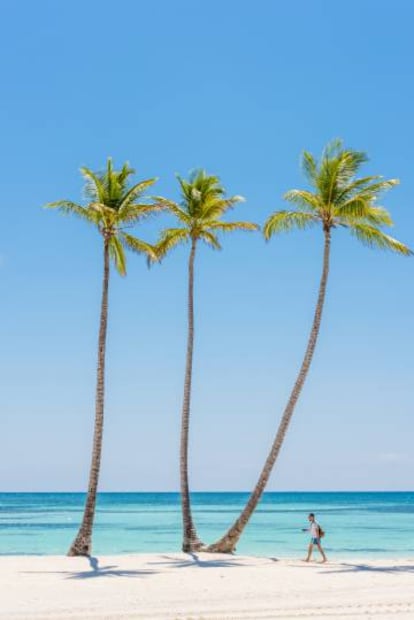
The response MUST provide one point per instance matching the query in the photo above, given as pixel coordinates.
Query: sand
(174, 586)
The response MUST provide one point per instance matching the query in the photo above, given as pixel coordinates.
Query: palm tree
(113, 206)
(203, 203)
(336, 199)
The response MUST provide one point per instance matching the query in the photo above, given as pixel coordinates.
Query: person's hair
(311, 514)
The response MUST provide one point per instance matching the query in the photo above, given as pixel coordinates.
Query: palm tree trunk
(82, 545)
(227, 543)
(190, 539)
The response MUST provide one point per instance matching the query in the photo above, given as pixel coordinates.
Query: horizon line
(217, 491)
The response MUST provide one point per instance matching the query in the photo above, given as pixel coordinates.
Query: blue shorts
(315, 541)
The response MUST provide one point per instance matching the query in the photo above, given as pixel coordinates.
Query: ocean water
(359, 525)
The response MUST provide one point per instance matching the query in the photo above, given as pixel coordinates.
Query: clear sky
(239, 88)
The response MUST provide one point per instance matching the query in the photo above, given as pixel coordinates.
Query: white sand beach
(175, 586)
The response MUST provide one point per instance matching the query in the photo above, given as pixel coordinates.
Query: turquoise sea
(360, 525)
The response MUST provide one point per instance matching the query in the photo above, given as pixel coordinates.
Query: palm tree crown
(203, 203)
(113, 206)
(337, 199)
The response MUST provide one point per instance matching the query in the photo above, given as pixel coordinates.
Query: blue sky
(239, 88)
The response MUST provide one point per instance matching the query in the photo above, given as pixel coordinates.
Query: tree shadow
(97, 571)
(367, 568)
(193, 559)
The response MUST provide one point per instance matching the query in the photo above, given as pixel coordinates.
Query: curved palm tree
(203, 203)
(113, 206)
(336, 199)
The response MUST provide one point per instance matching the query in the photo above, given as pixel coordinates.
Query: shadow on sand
(367, 568)
(192, 559)
(97, 571)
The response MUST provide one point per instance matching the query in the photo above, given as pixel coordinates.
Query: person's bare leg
(310, 549)
(321, 551)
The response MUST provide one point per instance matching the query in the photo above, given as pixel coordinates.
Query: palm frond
(138, 246)
(135, 192)
(185, 187)
(332, 148)
(309, 167)
(304, 199)
(284, 221)
(374, 238)
(369, 188)
(173, 207)
(72, 208)
(378, 216)
(210, 239)
(359, 208)
(215, 207)
(348, 164)
(108, 179)
(381, 185)
(132, 213)
(356, 186)
(94, 187)
(117, 254)
(170, 238)
(126, 171)
(230, 226)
